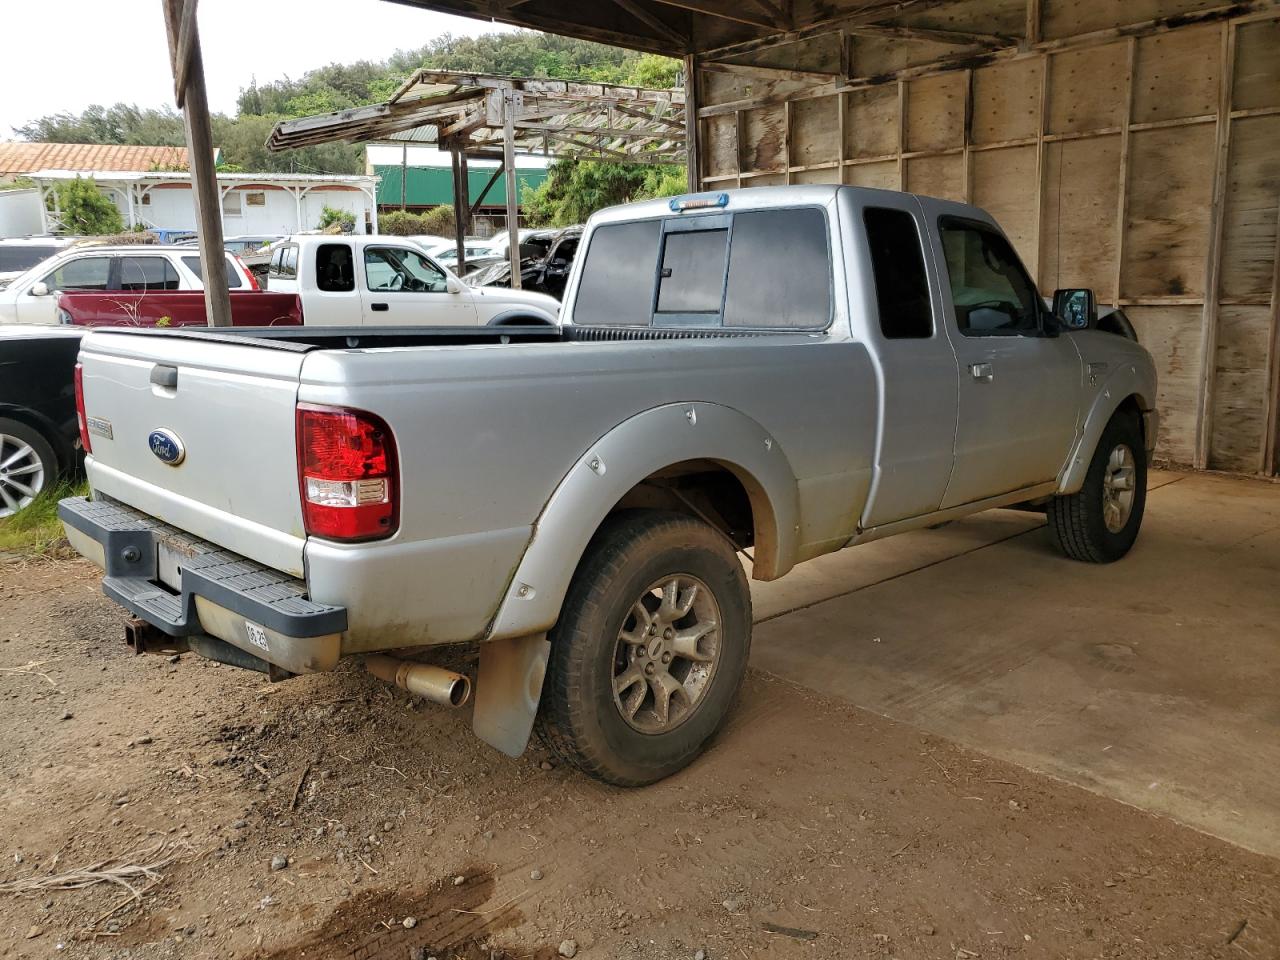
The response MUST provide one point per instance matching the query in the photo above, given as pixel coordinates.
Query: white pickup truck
(392, 281)
(782, 371)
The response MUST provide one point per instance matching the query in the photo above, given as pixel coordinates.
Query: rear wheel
(650, 649)
(27, 465)
(1100, 523)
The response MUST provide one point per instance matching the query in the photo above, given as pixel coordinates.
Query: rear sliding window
(767, 269)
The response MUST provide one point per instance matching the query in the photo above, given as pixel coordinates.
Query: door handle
(378, 307)
(982, 372)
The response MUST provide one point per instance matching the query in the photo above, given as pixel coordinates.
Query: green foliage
(37, 530)
(339, 86)
(575, 189)
(438, 221)
(85, 210)
(344, 220)
(17, 183)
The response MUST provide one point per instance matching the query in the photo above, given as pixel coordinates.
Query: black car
(39, 436)
(545, 259)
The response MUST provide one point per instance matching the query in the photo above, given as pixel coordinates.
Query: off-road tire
(1076, 522)
(578, 718)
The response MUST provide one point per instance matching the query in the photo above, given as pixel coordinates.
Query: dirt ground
(811, 829)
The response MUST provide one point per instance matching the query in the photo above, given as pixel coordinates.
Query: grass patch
(37, 531)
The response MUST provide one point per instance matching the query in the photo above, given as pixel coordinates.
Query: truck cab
(391, 281)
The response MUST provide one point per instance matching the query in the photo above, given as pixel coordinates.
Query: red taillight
(346, 474)
(253, 281)
(81, 418)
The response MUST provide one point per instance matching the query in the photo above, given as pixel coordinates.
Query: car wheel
(1100, 523)
(27, 465)
(650, 649)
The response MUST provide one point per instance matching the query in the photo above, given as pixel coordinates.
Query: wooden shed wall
(1136, 155)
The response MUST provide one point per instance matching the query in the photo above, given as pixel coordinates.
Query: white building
(252, 203)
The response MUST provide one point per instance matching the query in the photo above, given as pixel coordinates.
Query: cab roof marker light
(699, 202)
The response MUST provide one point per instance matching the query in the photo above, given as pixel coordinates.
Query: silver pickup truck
(777, 372)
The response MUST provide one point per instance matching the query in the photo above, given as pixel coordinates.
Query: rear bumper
(189, 587)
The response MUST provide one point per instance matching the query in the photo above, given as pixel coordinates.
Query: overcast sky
(63, 55)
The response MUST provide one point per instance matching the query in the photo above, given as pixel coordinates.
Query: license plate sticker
(257, 635)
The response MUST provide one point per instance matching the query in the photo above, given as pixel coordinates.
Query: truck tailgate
(199, 434)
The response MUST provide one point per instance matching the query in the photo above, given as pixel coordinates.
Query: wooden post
(404, 175)
(461, 205)
(180, 16)
(1122, 194)
(693, 171)
(1271, 434)
(1213, 265)
(509, 169)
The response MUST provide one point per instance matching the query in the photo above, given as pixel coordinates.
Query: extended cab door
(401, 286)
(916, 361)
(1018, 388)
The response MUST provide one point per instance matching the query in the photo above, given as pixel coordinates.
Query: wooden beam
(479, 201)
(726, 10)
(182, 55)
(1122, 193)
(1213, 261)
(692, 97)
(661, 27)
(1042, 128)
(959, 37)
(1031, 32)
(509, 106)
(870, 13)
(677, 125)
(204, 176)
(776, 73)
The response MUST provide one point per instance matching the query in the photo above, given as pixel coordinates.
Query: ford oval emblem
(167, 447)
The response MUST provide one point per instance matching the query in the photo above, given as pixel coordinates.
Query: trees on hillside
(572, 191)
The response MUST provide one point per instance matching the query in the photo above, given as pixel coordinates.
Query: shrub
(402, 223)
(85, 210)
(344, 220)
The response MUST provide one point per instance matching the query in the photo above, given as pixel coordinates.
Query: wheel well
(730, 501)
(1131, 405)
(524, 320)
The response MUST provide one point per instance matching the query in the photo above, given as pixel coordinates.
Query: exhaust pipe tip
(445, 687)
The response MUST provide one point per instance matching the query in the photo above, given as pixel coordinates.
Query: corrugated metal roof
(21, 157)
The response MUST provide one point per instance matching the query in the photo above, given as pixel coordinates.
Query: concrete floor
(1155, 680)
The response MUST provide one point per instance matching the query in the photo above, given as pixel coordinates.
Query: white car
(392, 281)
(447, 252)
(32, 297)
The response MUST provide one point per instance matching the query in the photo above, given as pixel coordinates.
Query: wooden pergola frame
(476, 115)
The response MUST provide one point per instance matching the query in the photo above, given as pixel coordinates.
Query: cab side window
(991, 292)
(335, 271)
(398, 269)
(897, 262)
(85, 273)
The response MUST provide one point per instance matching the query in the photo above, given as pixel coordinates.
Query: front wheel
(650, 649)
(1100, 523)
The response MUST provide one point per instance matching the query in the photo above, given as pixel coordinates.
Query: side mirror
(453, 285)
(39, 289)
(1075, 309)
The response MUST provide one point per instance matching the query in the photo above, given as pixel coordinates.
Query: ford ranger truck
(779, 372)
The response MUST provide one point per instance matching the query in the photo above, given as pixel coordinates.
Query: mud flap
(508, 688)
